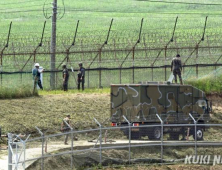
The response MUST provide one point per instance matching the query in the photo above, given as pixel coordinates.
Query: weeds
(19, 91)
(207, 84)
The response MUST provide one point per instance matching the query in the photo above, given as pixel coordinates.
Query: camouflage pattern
(172, 102)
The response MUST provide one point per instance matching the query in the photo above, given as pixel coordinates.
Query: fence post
(195, 131)
(42, 135)
(165, 63)
(100, 140)
(71, 142)
(24, 143)
(1, 73)
(197, 60)
(161, 137)
(129, 137)
(100, 71)
(197, 71)
(120, 75)
(9, 151)
(88, 77)
(133, 63)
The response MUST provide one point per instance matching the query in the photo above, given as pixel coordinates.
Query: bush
(207, 84)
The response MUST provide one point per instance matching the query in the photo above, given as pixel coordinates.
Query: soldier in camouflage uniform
(176, 67)
(81, 76)
(65, 74)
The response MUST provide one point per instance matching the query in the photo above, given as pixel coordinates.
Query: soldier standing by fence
(81, 76)
(65, 75)
(176, 67)
(36, 72)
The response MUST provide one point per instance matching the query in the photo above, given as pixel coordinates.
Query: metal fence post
(161, 137)
(24, 154)
(24, 144)
(88, 78)
(100, 141)
(42, 135)
(195, 122)
(120, 75)
(100, 71)
(133, 63)
(71, 143)
(129, 137)
(9, 151)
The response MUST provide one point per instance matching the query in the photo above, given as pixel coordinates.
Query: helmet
(178, 55)
(80, 64)
(64, 65)
(36, 64)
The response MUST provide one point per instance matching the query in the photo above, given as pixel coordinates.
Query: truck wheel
(155, 134)
(199, 134)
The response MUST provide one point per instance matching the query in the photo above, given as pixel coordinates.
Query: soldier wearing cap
(176, 67)
(36, 76)
(65, 75)
(81, 76)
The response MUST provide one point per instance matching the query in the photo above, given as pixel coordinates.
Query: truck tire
(155, 133)
(199, 133)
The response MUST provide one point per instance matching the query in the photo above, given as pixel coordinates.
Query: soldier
(66, 128)
(81, 76)
(176, 67)
(65, 75)
(36, 76)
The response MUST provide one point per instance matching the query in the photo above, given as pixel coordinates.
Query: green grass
(209, 84)
(86, 91)
(20, 91)
(95, 18)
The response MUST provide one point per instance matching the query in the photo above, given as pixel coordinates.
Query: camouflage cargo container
(140, 103)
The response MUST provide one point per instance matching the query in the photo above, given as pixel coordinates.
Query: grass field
(47, 110)
(95, 18)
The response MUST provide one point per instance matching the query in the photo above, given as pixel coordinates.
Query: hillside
(47, 112)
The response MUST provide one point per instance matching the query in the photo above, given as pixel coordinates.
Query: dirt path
(37, 151)
(32, 153)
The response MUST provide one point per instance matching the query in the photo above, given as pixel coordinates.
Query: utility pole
(53, 45)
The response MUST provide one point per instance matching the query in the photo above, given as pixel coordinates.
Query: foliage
(208, 84)
(20, 91)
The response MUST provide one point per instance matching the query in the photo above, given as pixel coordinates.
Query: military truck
(140, 104)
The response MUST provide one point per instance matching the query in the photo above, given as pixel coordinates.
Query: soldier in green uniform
(176, 67)
(66, 128)
(81, 76)
(65, 75)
